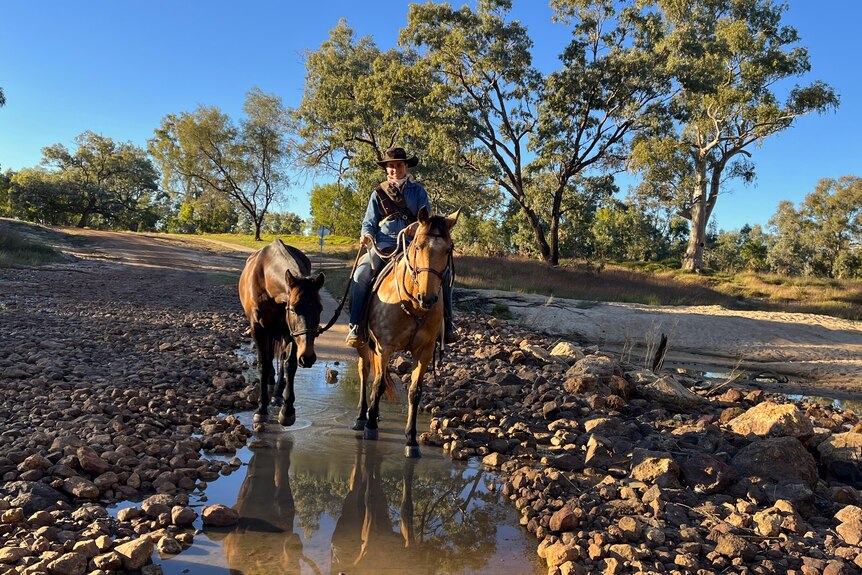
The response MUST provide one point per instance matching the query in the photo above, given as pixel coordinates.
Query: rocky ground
(115, 382)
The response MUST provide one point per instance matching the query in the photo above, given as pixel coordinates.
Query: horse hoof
(412, 452)
(260, 417)
(370, 434)
(359, 425)
(287, 419)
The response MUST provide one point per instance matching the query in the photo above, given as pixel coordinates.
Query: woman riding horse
(405, 313)
(393, 207)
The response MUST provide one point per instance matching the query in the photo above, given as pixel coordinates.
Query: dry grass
(26, 245)
(334, 246)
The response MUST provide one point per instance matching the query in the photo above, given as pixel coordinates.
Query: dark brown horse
(282, 303)
(405, 313)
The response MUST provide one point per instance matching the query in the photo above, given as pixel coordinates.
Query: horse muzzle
(426, 302)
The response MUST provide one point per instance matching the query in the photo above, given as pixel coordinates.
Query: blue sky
(118, 67)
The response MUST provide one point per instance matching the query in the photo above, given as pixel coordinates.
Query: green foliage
(823, 237)
(101, 184)
(337, 207)
(738, 250)
(727, 58)
(208, 159)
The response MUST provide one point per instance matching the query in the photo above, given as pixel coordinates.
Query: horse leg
(279, 355)
(380, 363)
(287, 414)
(264, 345)
(422, 360)
(364, 369)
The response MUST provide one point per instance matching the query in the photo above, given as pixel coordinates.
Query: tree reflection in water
(391, 515)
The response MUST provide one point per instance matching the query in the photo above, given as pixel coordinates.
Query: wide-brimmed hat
(397, 155)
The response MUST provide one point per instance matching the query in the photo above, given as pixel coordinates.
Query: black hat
(397, 155)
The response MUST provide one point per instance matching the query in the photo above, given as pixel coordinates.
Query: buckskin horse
(405, 313)
(282, 303)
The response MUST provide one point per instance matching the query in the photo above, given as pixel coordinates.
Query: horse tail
(389, 387)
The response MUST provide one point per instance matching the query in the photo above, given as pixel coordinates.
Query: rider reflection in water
(393, 207)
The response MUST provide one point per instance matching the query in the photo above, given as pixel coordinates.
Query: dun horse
(282, 303)
(405, 313)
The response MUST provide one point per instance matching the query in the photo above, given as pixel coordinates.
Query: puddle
(317, 499)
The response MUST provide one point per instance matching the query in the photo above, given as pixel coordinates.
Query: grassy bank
(26, 245)
(339, 247)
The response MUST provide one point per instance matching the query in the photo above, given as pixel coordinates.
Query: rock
(168, 546)
(135, 553)
(770, 419)
(31, 496)
(600, 367)
(763, 459)
(630, 527)
(851, 531)
(91, 462)
(564, 519)
(841, 447)
(559, 553)
(80, 487)
(68, 564)
(672, 393)
(11, 555)
(220, 516)
(110, 561)
(734, 546)
(706, 474)
(494, 459)
(654, 467)
(849, 513)
(183, 516)
(570, 353)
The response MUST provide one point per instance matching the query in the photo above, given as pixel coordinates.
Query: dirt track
(820, 350)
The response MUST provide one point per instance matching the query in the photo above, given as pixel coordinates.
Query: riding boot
(450, 332)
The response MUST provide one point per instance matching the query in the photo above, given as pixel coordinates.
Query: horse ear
(320, 278)
(452, 219)
(423, 215)
(291, 279)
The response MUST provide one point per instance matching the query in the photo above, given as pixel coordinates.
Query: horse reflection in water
(374, 531)
(264, 541)
(364, 539)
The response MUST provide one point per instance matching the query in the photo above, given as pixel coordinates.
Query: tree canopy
(729, 59)
(206, 153)
(116, 183)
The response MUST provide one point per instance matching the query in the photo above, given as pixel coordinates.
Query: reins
(343, 298)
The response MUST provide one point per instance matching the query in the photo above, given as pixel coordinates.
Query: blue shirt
(385, 230)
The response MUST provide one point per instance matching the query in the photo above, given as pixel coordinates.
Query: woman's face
(396, 170)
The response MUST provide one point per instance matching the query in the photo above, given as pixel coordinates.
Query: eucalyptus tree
(536, 135)
(729, 57)
(116, 182)
(357, 102)
(247, 162)
(822, 236)
(2, 98)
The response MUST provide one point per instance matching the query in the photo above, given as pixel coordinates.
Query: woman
(393, 206)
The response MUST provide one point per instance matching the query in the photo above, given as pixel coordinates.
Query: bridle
(415, 271)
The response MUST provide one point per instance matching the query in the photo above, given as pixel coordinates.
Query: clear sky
(118, 67)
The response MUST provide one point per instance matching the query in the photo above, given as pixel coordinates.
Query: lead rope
(344, 297)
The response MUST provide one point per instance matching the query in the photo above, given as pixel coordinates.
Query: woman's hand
(365, 240)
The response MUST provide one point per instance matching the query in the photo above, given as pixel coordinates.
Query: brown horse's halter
(295, 334)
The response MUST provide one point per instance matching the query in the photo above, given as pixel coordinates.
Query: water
(316, 499)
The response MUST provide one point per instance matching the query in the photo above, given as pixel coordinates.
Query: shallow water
(317, 499)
